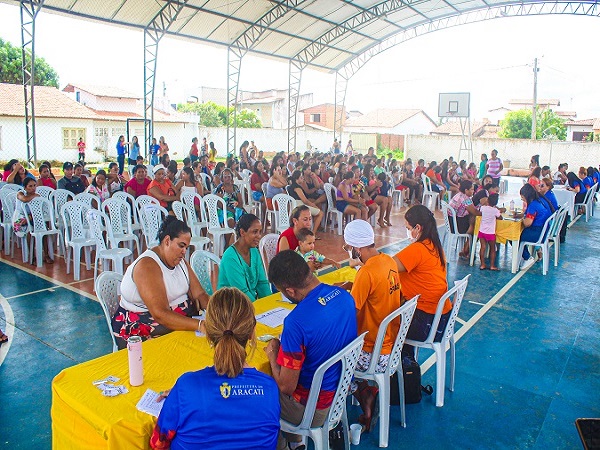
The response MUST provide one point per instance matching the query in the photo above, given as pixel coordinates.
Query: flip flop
(482, 268)
(3, 338)
(496, 269)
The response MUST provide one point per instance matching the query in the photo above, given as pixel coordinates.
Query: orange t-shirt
(376, 292)
(424, 275)
(166, 188)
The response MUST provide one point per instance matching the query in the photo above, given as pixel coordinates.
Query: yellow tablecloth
(506, 230)
(83, 419)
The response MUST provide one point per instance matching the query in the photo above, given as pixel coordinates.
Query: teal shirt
(234, 272)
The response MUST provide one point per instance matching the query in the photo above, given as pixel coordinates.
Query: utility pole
(534, 107)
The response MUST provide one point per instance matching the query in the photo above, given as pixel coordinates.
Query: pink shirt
(488, 219)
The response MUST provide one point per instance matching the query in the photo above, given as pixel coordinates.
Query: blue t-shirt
(552, 199)
(154, 149)
(582, 188)
(588, 182)
(120, 148)
(539, 212)
(321, 325)
(206, 410)
(135, 151)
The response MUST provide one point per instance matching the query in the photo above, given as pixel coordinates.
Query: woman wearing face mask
(422, 270)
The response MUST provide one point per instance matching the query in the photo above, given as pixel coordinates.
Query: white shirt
(176, 280)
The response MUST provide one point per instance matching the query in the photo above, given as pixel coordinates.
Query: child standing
(487, 231)
(306, 249)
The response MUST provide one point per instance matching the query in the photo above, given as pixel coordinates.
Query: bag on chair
(336, 438)
(412, 383)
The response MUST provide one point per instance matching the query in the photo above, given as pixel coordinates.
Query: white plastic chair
(76, 236)
(91, 200)
(554, 236)
(269, 213)
(267, 247)
(107, 288)
(543, 241)
(194, 222)
(246, 174)
(382, 379)
(121, 222)
(151, 217)
(203, 264)
(106, 248)
(8, 198)
(588, 202)
(12, 187)
(283, 205)
(181, 212)
(41, 224)
(206, 181)
(250, 205)
(140, 202)
(452, 238)
(332, 211)
(214, 203)
(45, 192)
(348, 358)
(455, 295)
(59, 198)
(430, 197)
(122, 195)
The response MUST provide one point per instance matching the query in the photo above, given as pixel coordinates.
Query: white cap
(157, 168)
(359, 233)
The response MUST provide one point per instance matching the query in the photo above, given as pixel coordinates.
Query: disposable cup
(355, 430)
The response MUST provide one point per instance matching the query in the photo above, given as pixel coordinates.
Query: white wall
(49, 140)
(417, 124)
(574, 128)
(268, 140)
(517, 151)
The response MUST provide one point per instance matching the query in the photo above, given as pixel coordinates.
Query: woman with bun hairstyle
(229, 405)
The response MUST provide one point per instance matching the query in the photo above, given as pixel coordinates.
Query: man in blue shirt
(323, 322)
(70, 182)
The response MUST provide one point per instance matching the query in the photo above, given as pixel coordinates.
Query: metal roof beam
(29, 12)
(153, 33)
(473, 15)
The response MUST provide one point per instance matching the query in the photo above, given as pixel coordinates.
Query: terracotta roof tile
(49, 102)
(387, 118)
(102, 91)
(581, 123)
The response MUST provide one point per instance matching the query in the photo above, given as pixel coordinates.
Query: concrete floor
(526, 369)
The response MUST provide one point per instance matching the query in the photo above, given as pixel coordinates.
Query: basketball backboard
(454, 104)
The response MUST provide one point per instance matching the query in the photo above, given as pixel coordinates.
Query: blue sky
(492, 60)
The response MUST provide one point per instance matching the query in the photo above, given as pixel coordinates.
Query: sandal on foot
(3, 338)
(482, 268)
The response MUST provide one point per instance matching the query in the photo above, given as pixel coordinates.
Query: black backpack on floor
(412, 383)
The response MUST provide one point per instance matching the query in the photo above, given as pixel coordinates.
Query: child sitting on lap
(487, 230)
(306, 249)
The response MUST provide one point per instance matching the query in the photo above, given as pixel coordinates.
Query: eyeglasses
(347, 248)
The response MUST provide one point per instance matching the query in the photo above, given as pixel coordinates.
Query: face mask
(411, 239)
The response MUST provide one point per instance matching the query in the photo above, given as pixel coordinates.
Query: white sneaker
(526, 264)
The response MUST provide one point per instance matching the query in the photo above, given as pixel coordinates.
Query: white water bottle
(512, 206)
(136, 366)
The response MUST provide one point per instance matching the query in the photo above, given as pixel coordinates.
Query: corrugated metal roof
(326, 34)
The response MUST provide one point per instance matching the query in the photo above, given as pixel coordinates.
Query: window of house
(118, 131)
(315, 117)
(99, 132)
(71, 137)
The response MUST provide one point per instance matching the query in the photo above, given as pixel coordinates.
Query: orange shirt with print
(424, 275)
(166, 188)
(376, 292)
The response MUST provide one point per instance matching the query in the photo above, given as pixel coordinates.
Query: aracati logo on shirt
(225, 390)
(241, 390)
(322, 301)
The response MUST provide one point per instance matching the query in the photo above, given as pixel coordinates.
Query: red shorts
(487, 237)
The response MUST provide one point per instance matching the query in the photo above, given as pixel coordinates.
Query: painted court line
(51, 280)
(477, 316)
(10, 328)
(50, 289)
(476, 303)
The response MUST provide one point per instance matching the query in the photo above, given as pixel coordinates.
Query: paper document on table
(148, 403)
(274, 317)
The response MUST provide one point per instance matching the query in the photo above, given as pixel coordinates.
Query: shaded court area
(528, 354)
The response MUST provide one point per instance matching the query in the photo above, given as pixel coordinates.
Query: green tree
(517, 125)
(213, 115)
(208, 112)
(10, 67)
